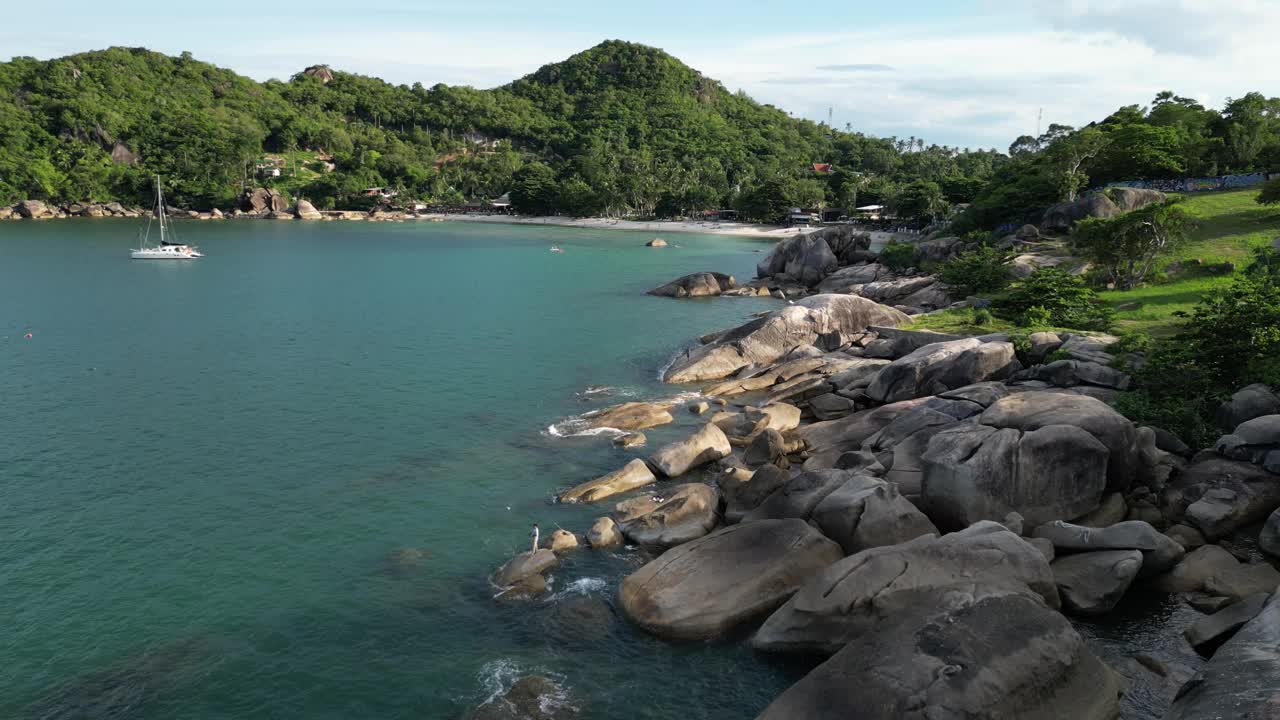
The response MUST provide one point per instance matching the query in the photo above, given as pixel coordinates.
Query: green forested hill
(619, 129)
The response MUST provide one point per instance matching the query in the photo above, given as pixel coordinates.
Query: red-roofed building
(823, 168)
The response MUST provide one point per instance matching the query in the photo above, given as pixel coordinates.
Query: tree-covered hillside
(1175, 137)
(618, 129)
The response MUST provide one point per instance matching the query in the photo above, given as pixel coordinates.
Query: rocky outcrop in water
(701, 284)
(707, 587)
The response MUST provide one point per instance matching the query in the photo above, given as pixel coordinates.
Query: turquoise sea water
(207, 471)
(205, 467)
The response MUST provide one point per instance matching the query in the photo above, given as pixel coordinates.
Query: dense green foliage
(619, 129)
(984, 270)
(1231, 339)
(1270, 193)
(1127, 246)
(1174, 137)
(898, 255)
(1051, 297)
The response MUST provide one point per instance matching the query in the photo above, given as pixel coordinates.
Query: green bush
(1055, 298)
(1270, 194)
(1057, 355)
(1182, 416)
(1021, 341)
(984, 270)
(898, 255)
(983, 316)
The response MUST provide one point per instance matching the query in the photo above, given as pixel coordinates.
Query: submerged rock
(532, 697)
(707, 587)
(523, 566)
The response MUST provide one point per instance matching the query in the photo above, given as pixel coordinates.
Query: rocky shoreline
(933, 515)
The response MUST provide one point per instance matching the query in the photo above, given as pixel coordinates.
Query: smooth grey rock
(1209, 633)
(523, 566)
(1219, 496)
(1269, 538)
(741, 498)
(699, 284)
(867, 512)
(999, 656)
(1092, 583)
(634, 474)
(1159, 552)
(1246, 404)
(798, 497)
(690, 512)
(1196, 570)
(604, 533)
(1110, 511)
(1240, 680)
(979, 472)
(853, 596)
(827, 441)
(824, 318)
(706, 587)
(706, 445)
(630, 416)
(940, 367)
(1032, 410)
(1072, 373)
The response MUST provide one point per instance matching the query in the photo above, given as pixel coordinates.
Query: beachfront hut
(870, 212)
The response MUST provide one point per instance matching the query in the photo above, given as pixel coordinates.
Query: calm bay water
(205, 467)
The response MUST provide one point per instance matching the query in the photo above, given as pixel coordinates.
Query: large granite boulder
(699, 284)
(1269, 538)
(1074, 373)
(1004, 655)
(1159, 551)
(741, 497)
(633, 475)
(1246, 404)
(798, 497)
(604, 533)
(707, 587)
(828, 440)
(805, 258)
(1256, 441)
(306, 211)
(33, 210)
(978, 472)
(1218, 496)
(940, 367)
(261, 201)
(1209, 633)
(1092, 583)
(825, 320)
(1035, 410)
(1240, 680)
(523, 566)
(706, 445)
(851, 279)
(900, 445)
(687, 513)
(867, 512)
(854, 596)
(630, 416)
(1098, 204)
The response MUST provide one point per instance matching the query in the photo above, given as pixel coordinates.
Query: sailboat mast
(160, 208)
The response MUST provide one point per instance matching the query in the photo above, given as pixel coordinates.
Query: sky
(968, 73)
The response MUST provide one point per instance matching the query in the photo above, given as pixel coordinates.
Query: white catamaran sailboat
(167, 249)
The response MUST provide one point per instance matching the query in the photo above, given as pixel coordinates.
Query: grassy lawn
(1229, 226)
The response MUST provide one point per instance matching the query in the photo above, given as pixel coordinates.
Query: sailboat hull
(163, 254)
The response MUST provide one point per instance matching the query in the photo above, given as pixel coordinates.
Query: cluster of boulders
(37, 210)
(838, 259)
(929, 512)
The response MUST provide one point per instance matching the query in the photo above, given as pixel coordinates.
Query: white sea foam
(581, 586)
(498, 676)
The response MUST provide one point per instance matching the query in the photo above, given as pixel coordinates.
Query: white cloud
(1203, 28)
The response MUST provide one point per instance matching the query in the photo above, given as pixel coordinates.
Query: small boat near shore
(166, 249)
(557, 249)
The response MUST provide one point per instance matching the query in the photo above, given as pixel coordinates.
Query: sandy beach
(657, 227)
